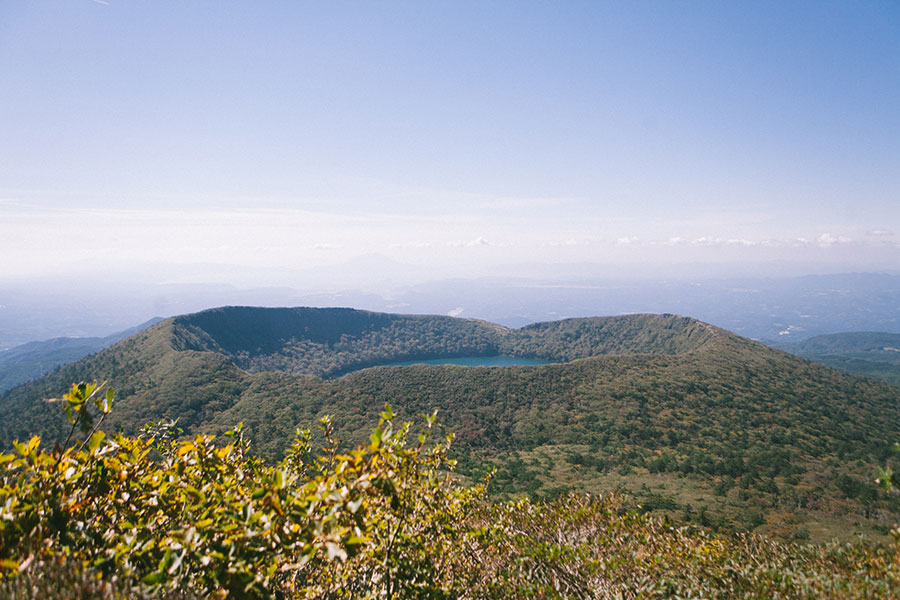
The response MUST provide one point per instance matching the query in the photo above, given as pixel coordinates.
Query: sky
(211, 140)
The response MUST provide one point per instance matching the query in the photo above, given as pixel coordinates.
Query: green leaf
(885, 479)
(375, 437)
(106, 405)
(95, 440)
(356, 541)
(154, 578)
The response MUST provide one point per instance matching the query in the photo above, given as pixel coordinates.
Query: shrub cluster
(212, 518)
(151, 516)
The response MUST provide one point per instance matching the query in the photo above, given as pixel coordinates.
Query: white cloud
(477, 242)
(706, 241)
(880, 233)
(709, 241)
(571, 242)
(38, 238)
(826, 240)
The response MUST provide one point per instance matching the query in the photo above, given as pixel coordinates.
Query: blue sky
(458, 135)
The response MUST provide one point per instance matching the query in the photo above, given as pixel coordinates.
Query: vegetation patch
(150, 516)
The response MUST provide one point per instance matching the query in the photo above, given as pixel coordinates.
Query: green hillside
(152, 517)
(34, 359)
(867, 353)
(329, 342)
(697, 423)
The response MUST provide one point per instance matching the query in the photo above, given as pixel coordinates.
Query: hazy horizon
(249, 143)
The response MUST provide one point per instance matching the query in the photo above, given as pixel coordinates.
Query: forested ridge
(332, 341)
(868, 353)
(697, 423)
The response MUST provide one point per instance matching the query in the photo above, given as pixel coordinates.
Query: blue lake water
(473, 361)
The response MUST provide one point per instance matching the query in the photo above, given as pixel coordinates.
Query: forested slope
(697, 422)
(868, 353)
(34, 359)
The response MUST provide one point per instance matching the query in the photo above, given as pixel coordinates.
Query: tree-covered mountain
(695, 421)
(34, 359)
(333, 341)
(868, 353)
(328, 341)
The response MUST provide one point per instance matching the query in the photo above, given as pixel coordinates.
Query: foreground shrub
(213, 518)
(149, 516)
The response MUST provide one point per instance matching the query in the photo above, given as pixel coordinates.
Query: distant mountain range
(695, 421)
(868, 353)
(763, 306)
(34, 359)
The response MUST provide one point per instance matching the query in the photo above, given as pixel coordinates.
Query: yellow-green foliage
(213, 518)
(148, 516)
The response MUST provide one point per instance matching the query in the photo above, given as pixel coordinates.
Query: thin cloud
(571, 242)
(706, 241)
(477, 242)
(880, 233)
(718, 242)
(826, 240)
